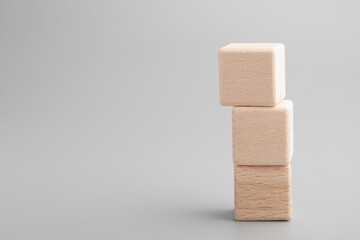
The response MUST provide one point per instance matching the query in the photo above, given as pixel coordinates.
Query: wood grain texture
(263, 135)
(263, 192)
(252, 74)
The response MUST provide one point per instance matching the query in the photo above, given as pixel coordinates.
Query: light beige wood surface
(263, 192)
(252, 74)
(263, 135)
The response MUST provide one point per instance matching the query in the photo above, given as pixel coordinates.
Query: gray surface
(111, 128)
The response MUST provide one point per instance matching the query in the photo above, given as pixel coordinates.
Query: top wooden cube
(252, 74)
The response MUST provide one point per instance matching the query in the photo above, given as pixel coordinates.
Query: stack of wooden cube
(252, 80)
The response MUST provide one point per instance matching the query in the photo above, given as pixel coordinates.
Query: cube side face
(262, 135)
(250, 74)
(263, 192)
(279, 65)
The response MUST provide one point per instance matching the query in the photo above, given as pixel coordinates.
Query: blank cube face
(263, 192)
(263, 135)
(252, 74)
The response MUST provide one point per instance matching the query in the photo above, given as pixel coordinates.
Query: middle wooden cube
(263, 135)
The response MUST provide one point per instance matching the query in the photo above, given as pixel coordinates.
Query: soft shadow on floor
(225, 215)
(215, 214)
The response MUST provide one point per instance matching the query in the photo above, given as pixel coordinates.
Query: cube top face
(263, 192)
(252, 74)
(263, 135)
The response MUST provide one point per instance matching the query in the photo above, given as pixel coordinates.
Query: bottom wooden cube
(262, 192)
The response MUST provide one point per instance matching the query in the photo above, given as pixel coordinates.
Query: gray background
(111, 128)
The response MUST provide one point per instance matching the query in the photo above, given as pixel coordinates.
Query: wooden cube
(252, 74)
(263, 192)
(263, 135)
